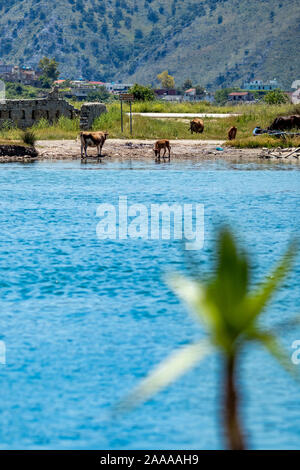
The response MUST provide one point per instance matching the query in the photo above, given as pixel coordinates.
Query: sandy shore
(143, 149)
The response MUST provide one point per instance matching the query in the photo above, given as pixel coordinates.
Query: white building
(261, 85)
(117, 88)
(295, 98)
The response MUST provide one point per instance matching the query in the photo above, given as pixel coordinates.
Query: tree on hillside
(142, 93)
(66, 83)
(166, 80)
(276, 97)
(18, 91)
(200, 90)
(221, 95)
(187, 84)
(50, 72)
(138, 34)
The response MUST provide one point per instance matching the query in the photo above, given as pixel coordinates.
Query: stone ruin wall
(89, 112)
(26, 113)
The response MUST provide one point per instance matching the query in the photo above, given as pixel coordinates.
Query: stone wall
(89, 112)
(25, 113)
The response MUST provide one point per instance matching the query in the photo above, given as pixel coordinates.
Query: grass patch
(10, 134)
(29, 138)
(64, 128)
(152, 128)
(143, 127)
(264, 141)
(215, 129)
(184, 107)
(261, 110)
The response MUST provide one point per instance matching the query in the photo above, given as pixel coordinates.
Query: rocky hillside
(213, 42)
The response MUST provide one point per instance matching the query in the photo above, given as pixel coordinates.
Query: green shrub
(29, 138)
(41, 124)
(110, 119)
(100, 95)
(7, 126)
(67, 124)
(142, 93)
(276, 97)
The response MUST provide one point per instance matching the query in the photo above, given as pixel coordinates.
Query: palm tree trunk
(234, 434)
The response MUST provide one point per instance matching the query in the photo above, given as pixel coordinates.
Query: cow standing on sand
(232, 133)
(158, 146)
(197, 125)
(92, 139)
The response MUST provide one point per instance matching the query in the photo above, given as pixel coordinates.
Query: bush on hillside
(142, 93)
(276, 97)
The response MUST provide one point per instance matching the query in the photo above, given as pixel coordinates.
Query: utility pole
(128, 98)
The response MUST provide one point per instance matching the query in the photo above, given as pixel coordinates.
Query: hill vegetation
(213, 42)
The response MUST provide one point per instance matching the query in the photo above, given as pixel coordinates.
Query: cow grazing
(283, 123)
(159, 145)
(296, 119)
(232, 133)
(197, 125)
(92, 139)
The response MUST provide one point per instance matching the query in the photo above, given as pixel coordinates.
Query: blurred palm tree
(230, 312)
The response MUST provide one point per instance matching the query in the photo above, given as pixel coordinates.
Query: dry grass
(12, 142)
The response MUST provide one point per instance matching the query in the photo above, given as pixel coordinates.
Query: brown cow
(232, 133)
(282, 123)
(296, 119)
(197, 125)
(92, 139)
(158, 146)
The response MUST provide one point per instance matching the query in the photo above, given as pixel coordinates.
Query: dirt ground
(143, 149)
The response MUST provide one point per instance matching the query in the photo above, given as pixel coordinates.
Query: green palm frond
(256, 301)
(228, 310)
(195, 295)
(224, 303)
(272, 345)
(178, 363)
(232, 275)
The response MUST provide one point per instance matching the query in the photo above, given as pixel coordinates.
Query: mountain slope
(213, 42)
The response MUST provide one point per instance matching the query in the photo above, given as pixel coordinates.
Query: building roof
(190, 90)
(96, 83)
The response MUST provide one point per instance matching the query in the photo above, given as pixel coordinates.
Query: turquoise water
(84, 320)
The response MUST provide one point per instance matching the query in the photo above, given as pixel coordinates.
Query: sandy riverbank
(143, 149)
